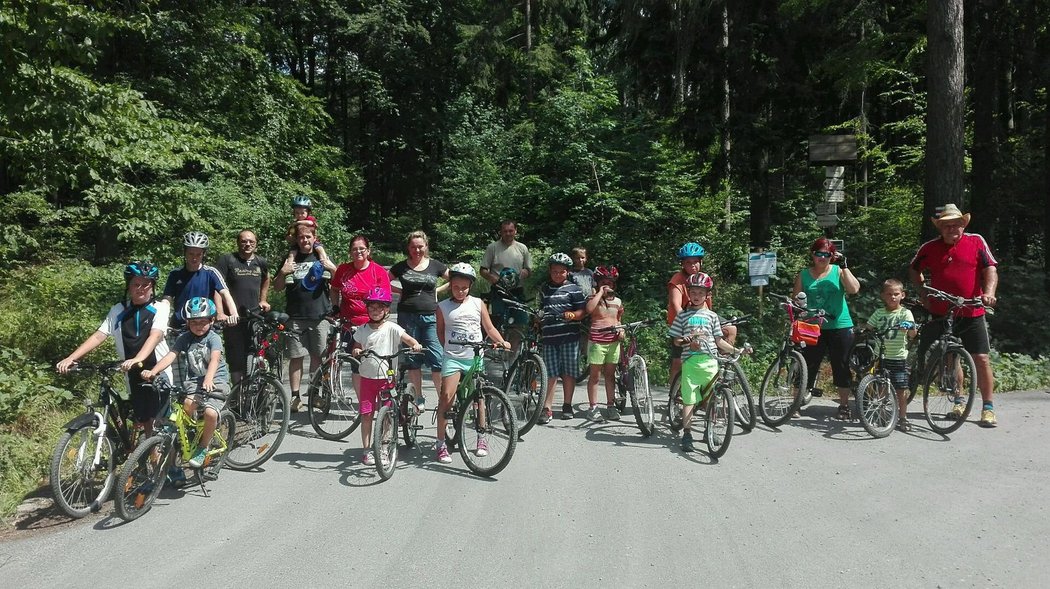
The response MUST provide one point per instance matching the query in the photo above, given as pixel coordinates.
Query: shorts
(192, 387)
(603, 353)
(673, 350)
(450, 366)
(312, 340)
(898, 370)
(368, 394)
(146, 401)
(236, 339)
(698, 371)
(423, 328)
(562, 359)
(973, 331)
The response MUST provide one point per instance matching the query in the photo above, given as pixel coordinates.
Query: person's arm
(489, 276)
(526, 264)
(155, 337)
(594, 300)
(93, 341)
(989, 284)
(849, 282)
(490, 329)
(411, 342)
(797, 288)
(286, 269)
(674, 298)
(441, 325)
(161, 364)
(391, 277)
(213, 367)
(444, 286)
(264, 292)
(725, 346)
(323, 255)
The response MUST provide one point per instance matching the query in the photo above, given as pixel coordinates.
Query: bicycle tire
(937, 386)
(332, 402)
(226, 430)
(877, 405)
(674, 403)
(140, 480)
(499, 432)
(719, 419)
(637, 384)
(782, 387)
(262, 409)
(528, 385)
(78, 485)
(384, 441)
(743, 401)
(410, 415)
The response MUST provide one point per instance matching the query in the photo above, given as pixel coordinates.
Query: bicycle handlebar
(166, 387)
(956, 301)
(476, 345)
(98, 367)
(402, 351)
(735, 320)
(632, 326)
(787, 301)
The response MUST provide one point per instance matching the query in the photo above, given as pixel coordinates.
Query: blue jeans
(422, 327)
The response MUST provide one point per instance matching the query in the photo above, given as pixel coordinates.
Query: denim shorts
(422, 327)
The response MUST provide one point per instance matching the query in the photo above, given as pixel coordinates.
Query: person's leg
(839, 344)
(592, 383)
(609, 372)
(567, 360)
(550, 359)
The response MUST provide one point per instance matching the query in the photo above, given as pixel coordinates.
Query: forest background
(627, 126)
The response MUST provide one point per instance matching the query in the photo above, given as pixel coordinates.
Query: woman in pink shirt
(354, 280)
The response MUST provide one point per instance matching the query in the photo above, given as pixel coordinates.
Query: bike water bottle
(801, 299)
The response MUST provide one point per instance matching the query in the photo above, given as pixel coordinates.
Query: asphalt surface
(816, 504)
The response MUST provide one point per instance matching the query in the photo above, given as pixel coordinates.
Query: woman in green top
(826, 283)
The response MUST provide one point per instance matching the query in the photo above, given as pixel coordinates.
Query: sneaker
(687, 442)
(807, 397)
(176, 477)
(198, 458)
(959, 409)
(296, 402)
(594, 414)
(904, 425)
(443, 456)
(987, 418)
(844, 413)
(567, 412)
(421, 403)
(369, 459)
(483, 447)
(612, 414)
(546, 415)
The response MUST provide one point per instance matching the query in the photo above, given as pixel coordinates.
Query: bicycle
(784, 383)
(398, 408)
(83, 464)
(178, 436)
(948, 371)
(524, 379)
(260, 402)
(332, 402)
(876, 397)
(632, 377)
(717, 402)
(862, 355)
(484, 412)
(736, 380)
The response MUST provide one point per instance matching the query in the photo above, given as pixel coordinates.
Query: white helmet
(462, 269)
(195, 239)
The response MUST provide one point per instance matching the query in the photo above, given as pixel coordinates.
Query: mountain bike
(178, 436)
(862, 355)
(332, 401)
(398, 409)
(876, 397)
(716, 401)
(94, 443)
(482, 420)
(784, 383)
(260, 402)
(525, 378)
(632, 377)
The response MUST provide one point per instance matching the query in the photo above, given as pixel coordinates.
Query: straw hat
(949, 212)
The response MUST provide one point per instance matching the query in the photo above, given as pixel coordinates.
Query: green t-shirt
(896, 340)
(826, 293)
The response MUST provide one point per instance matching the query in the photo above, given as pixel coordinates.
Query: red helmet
(699, 280)
(606, 273)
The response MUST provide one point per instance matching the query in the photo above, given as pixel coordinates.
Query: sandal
(844, 413)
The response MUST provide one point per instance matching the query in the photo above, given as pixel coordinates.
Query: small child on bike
(605, 310)
(698, 331)
(383, 338)
(206, 369)
(562, 303)
(894, 316)
(460, 317)
(302, 214)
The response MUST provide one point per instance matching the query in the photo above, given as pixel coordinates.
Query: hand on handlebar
(65, 365)
(988, 300)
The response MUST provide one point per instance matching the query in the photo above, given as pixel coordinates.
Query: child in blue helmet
(302, 214)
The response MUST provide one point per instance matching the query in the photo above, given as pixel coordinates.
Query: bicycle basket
(805, 333)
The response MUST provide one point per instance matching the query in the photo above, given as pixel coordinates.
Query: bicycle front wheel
(637, 383)
(527, 386)
(142, 477)
(79, 483)
(384, 441)
(743, 402)
(333, 405)
(719, 420)
(261, 409)
(674, 403)
(949, 387)
(488, 431)
(877, 405)
(782, 389)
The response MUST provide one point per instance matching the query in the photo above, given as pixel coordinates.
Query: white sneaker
(369, 459)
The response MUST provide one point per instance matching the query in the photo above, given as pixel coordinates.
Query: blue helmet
(691, 250)
(301, 201)
(198, 308)
(143, 269)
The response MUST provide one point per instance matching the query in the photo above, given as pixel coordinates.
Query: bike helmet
(509, 278)
(691, 250)
(378, 294)
(560, 259)
(462, 269)
(143, 269)
(198, 308)
(302, 201)
(606, 273)
(699, 280)
(195, 239)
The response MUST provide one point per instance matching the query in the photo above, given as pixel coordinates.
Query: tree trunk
(986, 136)
(1046, 187)
(944, 109)
(528, 50)
(727, 140)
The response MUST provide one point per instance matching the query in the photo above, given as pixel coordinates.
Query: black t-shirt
(244, 279)
(302, 303)
(418, 287)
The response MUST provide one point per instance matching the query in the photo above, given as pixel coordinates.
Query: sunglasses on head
(822, 254)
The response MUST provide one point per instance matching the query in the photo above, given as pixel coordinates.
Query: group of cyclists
(578, 306)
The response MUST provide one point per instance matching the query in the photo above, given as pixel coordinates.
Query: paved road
(818, 504)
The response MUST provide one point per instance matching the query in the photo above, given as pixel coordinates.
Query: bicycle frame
(178, 425)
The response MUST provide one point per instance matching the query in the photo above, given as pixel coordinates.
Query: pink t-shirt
(354, 285)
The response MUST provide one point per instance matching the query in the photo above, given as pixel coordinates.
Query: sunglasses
(822, 254)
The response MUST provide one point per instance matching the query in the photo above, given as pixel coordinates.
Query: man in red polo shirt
(959, 263)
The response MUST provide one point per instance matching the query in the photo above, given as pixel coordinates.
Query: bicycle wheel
(384, 441)
(488, 431)
(636, 382)
(142, 477)
(261, 408)
(333, 407)
(225, 431)
(528, 382)
(743, 402)
(719, 421)
(79, 483)
(410, 415)
(949, 387)
(877, 405)
(674, 403)
(782, 389)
